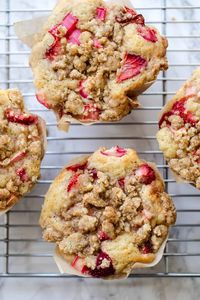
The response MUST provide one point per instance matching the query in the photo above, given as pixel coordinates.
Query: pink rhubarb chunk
(73, 182)
(42, 100)
(24, 119)
(82, 90)
(22, 174)
(100, 271)
(97, 44)
(91, 113)
(17, 157)
(115, 151)
(133, 64)
(130, 16)
(77, 167)
(145, 174)
(149, 34)
(101, 13)
(54, 50)
(74, 37)
(69, 22)
(121, 183)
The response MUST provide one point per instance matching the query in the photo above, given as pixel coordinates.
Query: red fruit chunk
(91, 113)
(121, 183)
(99, 272)
(19, 156)
(146, 248)
(115, 151)
(23, 119)
(69, 22)
(77, 167)
(41, 99)
(22, 174)
(54, 50)
(133, 64)
(97, 44)
(74, 37)
(82, 90)
(103, 236)
(148, 34)
(130, 16)
(101, 13)
(73, 182)
(145, 174)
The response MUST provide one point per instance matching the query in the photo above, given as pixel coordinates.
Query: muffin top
(179, 134)
(92, 59)
(107, 212)
(21, 148)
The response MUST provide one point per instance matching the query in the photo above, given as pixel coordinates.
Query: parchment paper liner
(26, 32)
(43, 133)
(65, 267)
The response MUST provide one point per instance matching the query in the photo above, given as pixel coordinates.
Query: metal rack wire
(23, 253)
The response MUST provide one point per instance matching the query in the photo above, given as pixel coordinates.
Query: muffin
(179, 134)
(93, 59)
(107, 213)
(22, 139)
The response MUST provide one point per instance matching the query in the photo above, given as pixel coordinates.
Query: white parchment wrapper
(43, 133)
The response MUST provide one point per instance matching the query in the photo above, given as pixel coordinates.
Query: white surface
(30, 288)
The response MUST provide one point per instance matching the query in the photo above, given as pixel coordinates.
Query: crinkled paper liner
(26, 31)
(43, 132)
(66, 268)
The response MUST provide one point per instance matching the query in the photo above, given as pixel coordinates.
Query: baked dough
(107, 212)
(22, 140)
(179, 134)
(92, 60)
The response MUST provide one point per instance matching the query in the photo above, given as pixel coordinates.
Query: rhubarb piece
(69, 22)
(91, 113)
(24, 119)
(129, 16)
(82, 90)
(54, 50)
(121, 183)
(42, 100)
(101, 13)
(76, 167)
(17, 157)
(74, 37)
(149, 34)
(103, 236)
(115, 151)
(22, 174)
(145, 174)
(101, 271)
(97, 44)
(132, 66)
(73, 182)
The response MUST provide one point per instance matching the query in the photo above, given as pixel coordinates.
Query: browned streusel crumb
(93, 59)
(179, 134)
(107, 212)
(21, 148)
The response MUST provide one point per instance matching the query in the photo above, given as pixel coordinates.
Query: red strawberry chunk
(103, 236)
(74, 37)
(82, 90)
(115, 151)
(145, 174)
(24, 119)
(22, 174)
(146, 248)
(42, 100)
(129, 16)
(133, 64)
(17, 157)
(121, 183)
(91, 113)
(73, 182)
(97, 44)
(101, 13)
(101, 271)
(77, 167)
(147, 33)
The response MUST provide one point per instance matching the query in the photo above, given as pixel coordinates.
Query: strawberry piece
(115, 151)
(24, 119)
(19, 156)
(22, 174)
(74, 37)
(42, 100)
(147, 33)
(99, 271)
(129, 16)
(145, 174)
(103, 236)
(91, 113)
(101, 13)
(179, 109)
(97, 44)
(77, 167)
(73, 182)
(54, 50)
(132, 66)
(121, 183)
(82, 90)
(146, 248)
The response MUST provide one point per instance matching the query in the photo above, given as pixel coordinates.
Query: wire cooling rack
(23, 253)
